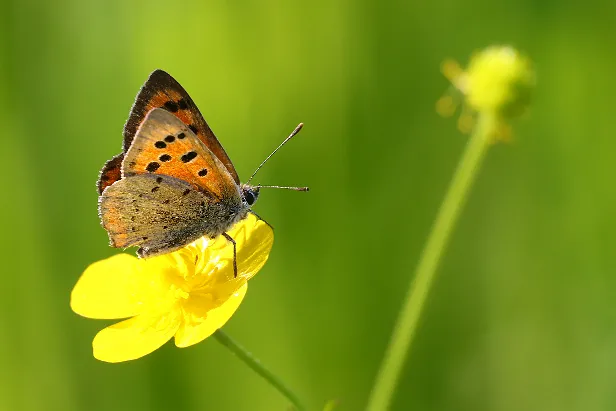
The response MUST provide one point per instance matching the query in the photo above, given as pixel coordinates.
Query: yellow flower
(189, 293)
(498, 83)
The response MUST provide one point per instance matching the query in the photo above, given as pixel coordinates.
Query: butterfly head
(250, 194)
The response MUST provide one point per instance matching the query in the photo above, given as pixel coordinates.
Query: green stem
(254, 363)
(410, 313)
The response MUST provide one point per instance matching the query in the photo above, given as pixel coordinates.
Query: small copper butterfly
(173, 181)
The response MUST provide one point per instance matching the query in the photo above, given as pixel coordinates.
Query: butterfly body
(173, 182)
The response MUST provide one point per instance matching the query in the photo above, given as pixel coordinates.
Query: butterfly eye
(250, 194)
(249, 197)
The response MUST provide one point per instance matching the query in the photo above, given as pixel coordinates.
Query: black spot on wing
(189, 156)
(172, 106)
(153, 166)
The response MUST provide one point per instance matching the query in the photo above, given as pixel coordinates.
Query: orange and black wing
(110, 173)
(172, 190)
(163, 91)
(164, 145)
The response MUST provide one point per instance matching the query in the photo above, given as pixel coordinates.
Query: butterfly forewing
(163, 91)
(165, 145)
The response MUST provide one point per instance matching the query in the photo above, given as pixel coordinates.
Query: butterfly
(173, 182)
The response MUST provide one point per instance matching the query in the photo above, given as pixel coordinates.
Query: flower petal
(109, 288)
(208, 263)
(254, 239)
(199, 323)
(135, 337)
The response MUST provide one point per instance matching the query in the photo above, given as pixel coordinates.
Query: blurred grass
(522, 316)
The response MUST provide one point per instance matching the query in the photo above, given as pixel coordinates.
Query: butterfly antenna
(297, 129)
(286, 188)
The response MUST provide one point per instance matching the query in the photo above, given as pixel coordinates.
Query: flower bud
(498, 80)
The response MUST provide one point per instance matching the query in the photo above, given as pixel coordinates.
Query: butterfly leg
(232, 241)
(259, 217)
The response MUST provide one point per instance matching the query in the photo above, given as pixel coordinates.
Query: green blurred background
(522, 316)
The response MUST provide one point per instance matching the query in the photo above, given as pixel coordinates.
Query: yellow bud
(499, 81)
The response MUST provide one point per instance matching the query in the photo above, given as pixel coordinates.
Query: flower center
(179, 293)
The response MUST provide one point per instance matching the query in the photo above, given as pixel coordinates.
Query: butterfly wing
(165, 145)
(172, 191)
(110, 173)
(163, 91)
(158, 213)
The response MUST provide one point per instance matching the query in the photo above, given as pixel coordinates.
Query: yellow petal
(208, 263)
(199, 323)
(134, 338)
(254, 239)
(110, 288)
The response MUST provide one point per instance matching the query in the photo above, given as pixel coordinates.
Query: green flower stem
(410, 313)
(256, 366)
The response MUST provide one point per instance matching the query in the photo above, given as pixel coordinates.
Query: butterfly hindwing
(110, 173)
(165, 145)
(158, 213)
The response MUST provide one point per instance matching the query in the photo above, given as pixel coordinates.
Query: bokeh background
(523, 313)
